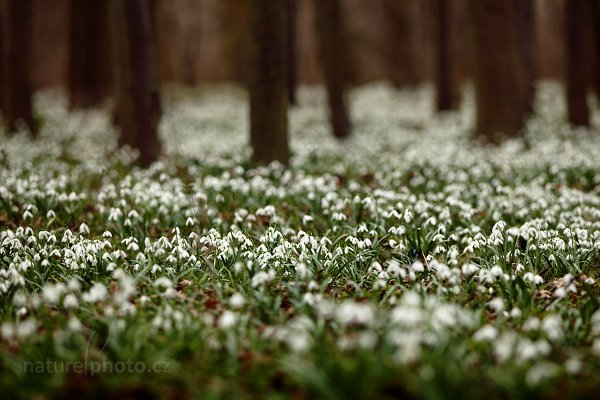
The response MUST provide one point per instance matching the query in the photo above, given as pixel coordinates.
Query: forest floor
(407, 261)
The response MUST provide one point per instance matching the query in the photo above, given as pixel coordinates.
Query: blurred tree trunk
(595, 11)
(89, 63)
(500, 72)
(268, 82)
(137, 91)
(16, 25)
(526, 39)
(401, 20)
(445, 77)
(334, 61)
(292, 48)
(577, 58)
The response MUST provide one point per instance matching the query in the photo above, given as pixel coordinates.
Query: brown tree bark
(500, 76)
(292, 49)
(334, 61)
(268, 81)
(577, 59)
(404, 61)
(89, 63)
(445, 78)
(526, 37)
(136, 84)
(17, 91)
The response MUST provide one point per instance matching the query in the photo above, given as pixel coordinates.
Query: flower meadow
(408, 261)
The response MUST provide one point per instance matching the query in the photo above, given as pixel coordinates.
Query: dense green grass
(407, 261)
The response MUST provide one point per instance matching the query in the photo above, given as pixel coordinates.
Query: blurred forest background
(128, 50)
(201, 41)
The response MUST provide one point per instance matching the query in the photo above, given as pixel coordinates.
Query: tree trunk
(595, 11)
(17, 109)
(404, 60)
(525, 33)
(445, 78)
(292, 58)
(89, 71)
(577, 59)
(332, 52)
(500, 75)
(137, 92)
(268, 82)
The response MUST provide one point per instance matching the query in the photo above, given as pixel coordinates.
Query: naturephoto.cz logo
(95, 367)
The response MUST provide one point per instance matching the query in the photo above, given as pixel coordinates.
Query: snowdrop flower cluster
(405, 242)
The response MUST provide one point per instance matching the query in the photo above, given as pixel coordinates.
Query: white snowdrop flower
(262, 277)
(532, 324)
(84, 229)
(519, 268)
(21, 312)
(552, 326)
(237, 301)
(52, 292)
(535, 279)
(189, 221)
(97, 293)
(503, 346)
(352, 313)
(573, 366)
(306, 219)
(27, 215)
(227, 320)
(496, 305)
(417, 266)
(70, 301)
(367, 340)
(7, 330)
(162, 283)
(560, 292)
(155, 269)
(74, 325)
(540, 372)
(516, 313)
(298, 342)
(313, 286)
(486, 333)
(407, 315)
(409, 350)
(74, 284)
(590, 281)
(469, 269)
(496, 271)
(302, 270)
(50, 214)
(107, 234)
(19, 299)
(238, 267)
(25, 328)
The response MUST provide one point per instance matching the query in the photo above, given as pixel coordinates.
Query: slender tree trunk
(268, 82)
(577, 59)
(16, 66)
(89, 71)
(499, 70)
(526, 38)
(445, 78)
(330, 34)
(137, 92)
(292, 58)
(595, 11)
(404, 61)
